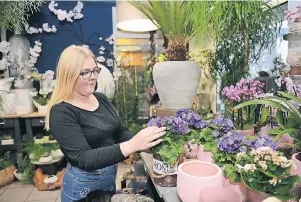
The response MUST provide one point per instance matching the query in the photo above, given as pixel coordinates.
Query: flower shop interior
(233, 118)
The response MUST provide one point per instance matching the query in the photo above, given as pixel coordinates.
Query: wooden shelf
(30, 115)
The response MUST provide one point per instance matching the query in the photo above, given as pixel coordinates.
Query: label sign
(162, 168)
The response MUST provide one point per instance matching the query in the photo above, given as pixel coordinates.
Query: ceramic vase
(19, 176)
(194, 176)
(204, 155)
(177, 83)
(216, 194)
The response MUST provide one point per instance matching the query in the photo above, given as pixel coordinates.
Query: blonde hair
(68, 69)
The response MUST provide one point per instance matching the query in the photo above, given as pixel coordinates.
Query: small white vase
(7, 142)
(19, 176)
(42, 109)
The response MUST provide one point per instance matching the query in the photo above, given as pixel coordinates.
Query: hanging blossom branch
(62, 15)
(4, 48)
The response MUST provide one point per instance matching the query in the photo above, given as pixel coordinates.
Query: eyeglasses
(87, 74)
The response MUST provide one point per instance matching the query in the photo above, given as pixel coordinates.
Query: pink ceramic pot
(249, 132)
(219, 194)
(297, 163)
(194, 176)
(203, 155)
(191, 150)
(284, 142)
(235, 187)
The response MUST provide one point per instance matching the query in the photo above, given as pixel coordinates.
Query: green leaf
(274, 131)
(290, 96)
(279, 135)
(264, 115)
(270, 103)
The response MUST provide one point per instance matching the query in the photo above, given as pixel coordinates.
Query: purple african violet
(232, 142)
(192, 118)
(222, 124)
(176, 124)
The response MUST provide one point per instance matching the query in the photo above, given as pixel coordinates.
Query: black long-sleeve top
(89, 139)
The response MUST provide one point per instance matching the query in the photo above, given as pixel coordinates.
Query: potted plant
(7, 169)
(268, 171)
(23, 164)
(288, 117)
(40, 100)
(176, 79)
(167, 153)
(7, 140)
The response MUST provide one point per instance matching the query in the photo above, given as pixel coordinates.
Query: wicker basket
(7, 176)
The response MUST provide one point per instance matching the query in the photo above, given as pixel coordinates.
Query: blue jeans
(78, 183)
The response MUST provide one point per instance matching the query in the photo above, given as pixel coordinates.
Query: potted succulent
(173, 71)
(7, 140)
(23, 164)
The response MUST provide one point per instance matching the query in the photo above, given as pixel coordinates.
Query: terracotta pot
(248, 132)
(194, 176)
(219, 194)
(191, 150)
(297, 162)
(164, 175)
(203, 155)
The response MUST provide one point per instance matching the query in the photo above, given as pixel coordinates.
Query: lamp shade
(130, 19)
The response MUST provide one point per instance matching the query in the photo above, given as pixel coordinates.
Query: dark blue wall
(97, 18)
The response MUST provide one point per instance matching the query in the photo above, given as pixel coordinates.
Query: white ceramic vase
(41, 108)
(177, 83)
(19, 176)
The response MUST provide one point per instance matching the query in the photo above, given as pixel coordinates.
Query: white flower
(110, 62)
(33, 94)
(61, 14)
(48, 75)
(100, 38)
(100, 59)
(101, 52)
(102, 48)
(54, 29)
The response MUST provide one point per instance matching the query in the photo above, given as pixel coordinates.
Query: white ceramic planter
(177, 83)
(7, 142)
(19, 176)
(57, 154)
(41, 109)
(194, 176)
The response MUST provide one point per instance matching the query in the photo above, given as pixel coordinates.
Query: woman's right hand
(145, 139)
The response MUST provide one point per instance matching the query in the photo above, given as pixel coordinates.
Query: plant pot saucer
(47, 163)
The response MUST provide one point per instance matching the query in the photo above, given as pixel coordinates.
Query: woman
(87, 127)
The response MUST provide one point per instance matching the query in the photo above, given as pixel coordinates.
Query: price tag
(162, 168)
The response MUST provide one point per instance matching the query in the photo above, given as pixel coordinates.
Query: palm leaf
(271, 103)
(290, 96)
(170, 16)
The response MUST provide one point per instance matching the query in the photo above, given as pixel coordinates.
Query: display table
(168, 194)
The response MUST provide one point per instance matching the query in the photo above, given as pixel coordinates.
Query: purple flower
(215, 133)
(222, 124)
(262, 142)
(175, 124)
(231, 142)
(192, 118)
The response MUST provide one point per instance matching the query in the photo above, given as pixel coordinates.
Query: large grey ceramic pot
(177, 83)
(19, 50)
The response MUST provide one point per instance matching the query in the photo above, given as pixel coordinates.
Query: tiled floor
(19, 192)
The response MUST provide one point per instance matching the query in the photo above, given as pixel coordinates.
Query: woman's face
(86, 81)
